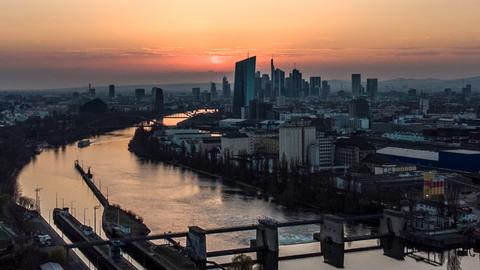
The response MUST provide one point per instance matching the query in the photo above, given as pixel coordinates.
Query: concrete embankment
(103, 257)
(88, 178)
(119, 223)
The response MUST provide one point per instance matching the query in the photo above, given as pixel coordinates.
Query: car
(44, 240)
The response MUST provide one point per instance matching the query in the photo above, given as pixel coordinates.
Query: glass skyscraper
(244, 85)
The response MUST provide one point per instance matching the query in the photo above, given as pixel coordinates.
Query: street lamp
(95, 217)
(71, 207)
(84, 210)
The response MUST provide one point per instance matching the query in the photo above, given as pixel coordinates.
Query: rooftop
(463, 151)
(409, 153)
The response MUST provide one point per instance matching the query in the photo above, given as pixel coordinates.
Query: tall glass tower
(244, 85)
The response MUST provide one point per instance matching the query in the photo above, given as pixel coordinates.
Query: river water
(171, 199)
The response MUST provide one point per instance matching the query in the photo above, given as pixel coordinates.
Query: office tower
(296, 83)
(258, 88)
(315, 86)
(111, 91)
(213, 89)
(266, 86)
(356, 85)
(305, 88)
(139, 93)
(91, 90)
(206, 96)
(196, 93)
(325, 88)
(359, 108)
(272, 73)
(244, 84)
(278, 83)
(295, 137)
(225, 87)
(157, 99)
(322, 153)
(412, 92)
(372, 88)
(467, 90)
(258, 109)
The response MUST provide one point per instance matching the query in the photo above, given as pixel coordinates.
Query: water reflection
(170, 199)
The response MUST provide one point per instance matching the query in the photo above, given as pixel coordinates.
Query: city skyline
(189, 41)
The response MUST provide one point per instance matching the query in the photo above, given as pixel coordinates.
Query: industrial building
(295, 138)
(456, 160)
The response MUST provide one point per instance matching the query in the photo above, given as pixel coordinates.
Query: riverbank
(289, 188)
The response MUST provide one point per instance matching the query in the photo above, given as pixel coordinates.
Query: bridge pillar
(391, 225)
(197, 246)
(115, 250)
(332, 240)
(267, 238)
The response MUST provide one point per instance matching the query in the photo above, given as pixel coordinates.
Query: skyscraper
(244, 85)
(196, 93)
(467, 90)
(278, 83)
(225, 87)
(356, 85)
(157, 99)
(315, 85)
(296, 83)
(91, 90)
(372, 88)
(213, 89)
(139, 93)
(266, 86)
(272, 73)
(111, 91)
(325, 88)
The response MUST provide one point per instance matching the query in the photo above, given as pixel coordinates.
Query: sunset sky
(62, 43)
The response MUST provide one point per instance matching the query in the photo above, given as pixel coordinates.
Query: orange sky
(141, 41)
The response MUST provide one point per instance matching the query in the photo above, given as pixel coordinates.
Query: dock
(116, 222)
(106, 257)
(88, 178)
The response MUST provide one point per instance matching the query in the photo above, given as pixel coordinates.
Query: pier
(118, 224)
(88, 178)
(105, 256)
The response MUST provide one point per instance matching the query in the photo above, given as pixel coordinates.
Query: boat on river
(83, 143)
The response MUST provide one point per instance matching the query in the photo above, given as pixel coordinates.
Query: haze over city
(239, 135)
(54, 44)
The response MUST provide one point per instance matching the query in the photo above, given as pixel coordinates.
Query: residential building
(322, 152)
(235, 144)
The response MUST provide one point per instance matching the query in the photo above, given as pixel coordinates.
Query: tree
(241, 262)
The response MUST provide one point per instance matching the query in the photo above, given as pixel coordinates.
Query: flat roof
(409, 153)
(233, 120)
(463, 151)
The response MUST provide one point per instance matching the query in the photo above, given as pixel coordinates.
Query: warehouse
(457, 160)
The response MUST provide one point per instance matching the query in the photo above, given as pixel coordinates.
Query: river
(171, 199)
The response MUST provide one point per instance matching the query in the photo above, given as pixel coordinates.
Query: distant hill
(399, 84)
(403, 84)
